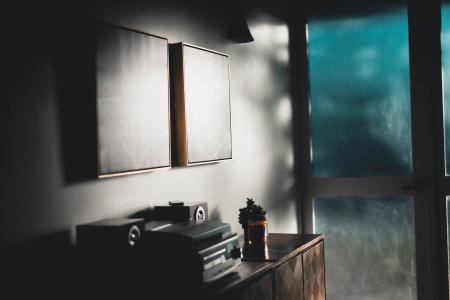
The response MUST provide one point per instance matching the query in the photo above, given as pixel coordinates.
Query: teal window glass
(445, 43)
(360, 94)
(369, 247)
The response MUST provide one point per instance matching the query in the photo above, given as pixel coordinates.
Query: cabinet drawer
(314, 273)
(289, 280)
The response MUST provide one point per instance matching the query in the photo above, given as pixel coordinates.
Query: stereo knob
(200, 214)
(134, 235)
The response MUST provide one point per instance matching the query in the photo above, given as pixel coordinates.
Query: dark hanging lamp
(238, 30)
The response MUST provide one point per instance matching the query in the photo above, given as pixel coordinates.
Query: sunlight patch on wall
(284, 111)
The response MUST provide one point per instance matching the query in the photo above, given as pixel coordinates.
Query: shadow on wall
(269, 62)
(278, 105)
(59, 32)
(74, 64)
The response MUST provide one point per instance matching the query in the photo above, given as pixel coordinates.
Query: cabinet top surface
(281, 247)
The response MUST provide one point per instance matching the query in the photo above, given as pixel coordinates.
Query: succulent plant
(251, 212)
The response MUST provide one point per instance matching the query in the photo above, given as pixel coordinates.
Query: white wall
(37, 199)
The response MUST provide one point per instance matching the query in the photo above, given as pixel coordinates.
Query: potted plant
(253, 220)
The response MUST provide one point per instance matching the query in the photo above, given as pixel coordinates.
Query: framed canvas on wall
(200, 81)
(133, 110)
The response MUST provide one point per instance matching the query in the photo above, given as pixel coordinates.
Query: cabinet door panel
(314, 273)
(261, 289)
(289, 280)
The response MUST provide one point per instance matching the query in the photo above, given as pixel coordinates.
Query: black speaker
(182, 212)
(111, 233)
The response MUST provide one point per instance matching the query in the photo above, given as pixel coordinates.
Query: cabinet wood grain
(261, 289)
(289, 279)
(314, 273)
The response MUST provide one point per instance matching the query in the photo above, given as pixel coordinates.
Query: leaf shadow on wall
(271, 65)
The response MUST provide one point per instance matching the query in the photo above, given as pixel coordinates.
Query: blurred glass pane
(369, 246)
(360, 94)
(445, 36)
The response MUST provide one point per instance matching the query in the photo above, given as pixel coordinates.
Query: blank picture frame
(201, 109)
(133, 109)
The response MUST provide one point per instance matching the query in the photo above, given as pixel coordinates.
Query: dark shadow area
(75, 74)
(277, 9)
(43, 268)
(61, 32)
(298, 91)
(330, 5)
(74, 64)
(50, 268)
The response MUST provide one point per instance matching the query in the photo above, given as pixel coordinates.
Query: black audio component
(111, 233)
(178, 211)
(200, 251)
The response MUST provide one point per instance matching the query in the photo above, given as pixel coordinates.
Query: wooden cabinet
(289, 279)
(302, 277)
(261, 289)
(293, 270)
(314, 273)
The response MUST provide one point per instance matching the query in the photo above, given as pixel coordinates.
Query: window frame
(427, 139)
